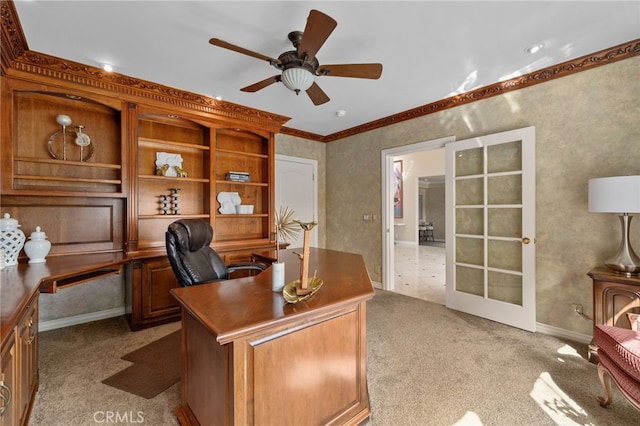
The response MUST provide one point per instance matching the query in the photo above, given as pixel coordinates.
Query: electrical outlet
(376, 268)
(577, 308)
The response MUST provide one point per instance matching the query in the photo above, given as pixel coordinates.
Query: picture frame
(398, 201)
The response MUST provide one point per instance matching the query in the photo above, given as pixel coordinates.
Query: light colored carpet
(427, 365)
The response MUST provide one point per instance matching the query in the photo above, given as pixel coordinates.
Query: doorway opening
(409, 267)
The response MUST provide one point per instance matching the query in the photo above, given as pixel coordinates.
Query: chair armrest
(243, 266)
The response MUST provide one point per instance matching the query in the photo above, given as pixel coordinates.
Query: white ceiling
(430, 50)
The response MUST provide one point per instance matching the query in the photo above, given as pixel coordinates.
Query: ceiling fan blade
(226, 45)
(317, 95)
(372, 71)
(319, 27)
(261, 84)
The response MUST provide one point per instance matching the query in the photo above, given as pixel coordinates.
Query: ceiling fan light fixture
(297, 79)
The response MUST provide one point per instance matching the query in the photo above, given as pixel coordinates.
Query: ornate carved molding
(607, 56)
(12, 40)
(52, 67)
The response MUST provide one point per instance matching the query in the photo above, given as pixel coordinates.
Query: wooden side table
(614, 295)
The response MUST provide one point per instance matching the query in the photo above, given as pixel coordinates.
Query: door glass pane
(470, 221)
(470, 280)
(470, 162)
(505, 255)
(506, 157)
(505, 287)
(470, 250)
(469, 192)
(504, 189)
(505, 223)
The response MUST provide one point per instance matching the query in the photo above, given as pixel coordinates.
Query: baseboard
(562, 333)
(377, 284)
(80, 319)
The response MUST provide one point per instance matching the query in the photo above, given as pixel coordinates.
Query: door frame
(386, 158)
(314, 164)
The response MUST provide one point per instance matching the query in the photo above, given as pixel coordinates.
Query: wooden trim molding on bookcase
(603, 57)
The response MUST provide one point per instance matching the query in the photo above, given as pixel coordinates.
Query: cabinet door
(157, 279)
(28, 360)
(8, 383)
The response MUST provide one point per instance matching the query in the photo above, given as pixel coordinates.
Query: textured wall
(586, 126)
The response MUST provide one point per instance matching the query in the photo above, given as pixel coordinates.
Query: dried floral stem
(287, 227)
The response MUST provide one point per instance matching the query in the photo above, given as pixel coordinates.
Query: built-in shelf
(173, 179)
(172, 143)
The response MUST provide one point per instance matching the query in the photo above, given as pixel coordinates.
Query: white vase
(11, 240)
(37, 248)
(277, 276)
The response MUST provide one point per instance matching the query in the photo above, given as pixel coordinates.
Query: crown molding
(603, 57)
(12, 40)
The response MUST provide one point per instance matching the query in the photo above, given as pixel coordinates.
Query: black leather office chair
(192, 260)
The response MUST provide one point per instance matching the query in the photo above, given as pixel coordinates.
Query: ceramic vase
(277, 276)
(37, 248)
(11, 240)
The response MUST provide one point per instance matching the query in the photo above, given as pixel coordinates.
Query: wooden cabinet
(8, 382)
(149, 301)
(27, 335)
(206, 153)
(19, 374)
(614, 295)
(51, 178)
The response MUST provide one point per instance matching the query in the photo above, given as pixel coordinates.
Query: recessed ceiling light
(106, 67)
(218, 97)
(534, 49)
(341, 113)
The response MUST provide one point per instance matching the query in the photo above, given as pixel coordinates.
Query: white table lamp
(618, 194)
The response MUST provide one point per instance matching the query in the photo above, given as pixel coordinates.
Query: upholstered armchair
(619, 361)
(192, 259)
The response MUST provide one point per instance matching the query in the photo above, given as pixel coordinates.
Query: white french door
(490, 204)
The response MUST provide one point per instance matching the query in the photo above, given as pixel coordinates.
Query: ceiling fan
(300, 67)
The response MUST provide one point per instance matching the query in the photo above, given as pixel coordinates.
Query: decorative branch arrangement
(287, 227)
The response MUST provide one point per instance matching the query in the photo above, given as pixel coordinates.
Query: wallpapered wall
(587, 126)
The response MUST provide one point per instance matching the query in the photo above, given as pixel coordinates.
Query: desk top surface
(234, 308)
(18, 283)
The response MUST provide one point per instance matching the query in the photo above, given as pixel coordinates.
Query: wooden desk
(249, 358)
(20, 286)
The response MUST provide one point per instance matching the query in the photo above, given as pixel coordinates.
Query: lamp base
(625, 261)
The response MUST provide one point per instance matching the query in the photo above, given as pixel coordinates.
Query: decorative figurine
(174, 200)
(11, 239)
(37, 248)
(82, 140)
(303, 288)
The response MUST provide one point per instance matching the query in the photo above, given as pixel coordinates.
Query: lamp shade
(618, 194)
(297, 79)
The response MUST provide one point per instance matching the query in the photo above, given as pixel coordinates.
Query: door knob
(526, 240)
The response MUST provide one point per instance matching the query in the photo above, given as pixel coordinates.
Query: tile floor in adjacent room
(420, 271)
